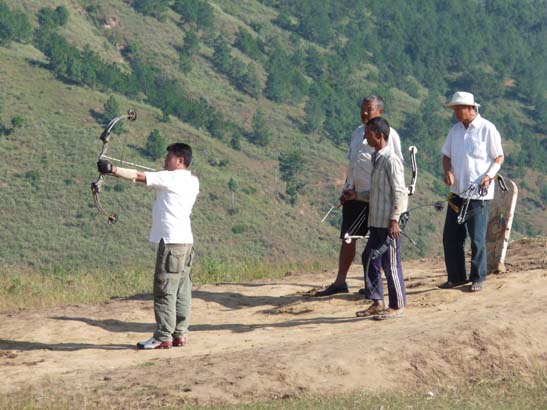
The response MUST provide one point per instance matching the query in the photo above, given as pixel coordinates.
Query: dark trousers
(454, 236)
(390, 262)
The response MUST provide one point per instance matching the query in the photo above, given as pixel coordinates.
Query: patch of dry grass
(515, 393)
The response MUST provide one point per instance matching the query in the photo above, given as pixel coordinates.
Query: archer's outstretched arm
(129, 174)
(105, 167)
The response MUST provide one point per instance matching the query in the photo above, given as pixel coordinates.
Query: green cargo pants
(172, 290)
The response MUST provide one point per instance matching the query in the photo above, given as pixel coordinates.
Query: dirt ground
(264, 340)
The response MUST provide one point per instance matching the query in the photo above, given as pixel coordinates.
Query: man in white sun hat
(472, 156)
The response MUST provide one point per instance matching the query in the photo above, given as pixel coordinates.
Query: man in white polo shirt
(472, 154)
(176, 192)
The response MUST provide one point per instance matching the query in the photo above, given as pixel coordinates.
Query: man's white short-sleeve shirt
(472, 151)
(176, 193)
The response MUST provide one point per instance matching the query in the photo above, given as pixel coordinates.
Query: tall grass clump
(36, 290)
(33, 289)
(214, 270)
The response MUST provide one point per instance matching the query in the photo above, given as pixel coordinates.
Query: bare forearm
(448, 174)
(129, 174)
(447, 164)
(141, 177)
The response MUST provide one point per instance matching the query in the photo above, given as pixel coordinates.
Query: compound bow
(97, 185)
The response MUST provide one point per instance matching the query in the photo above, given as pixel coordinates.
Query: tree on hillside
(283, 20)
(187, 9)
(245, 42)
(315, 23)
(314, 63)
(112, 110)
(14, 26)
(155, 145)
(191, 43)
(216, 127)
(241, 75)
(315, 115)
(285, 83)
(190, 47)
(298, 58)
(261, 134)
(197, 12)
(235, 141)
(90, 64)
(277, 84)
(540, 110)
(232, 186)
(61, 15)
(221, 55)
(291, 164)
(51, 18)
(486, 85)
(248, 81)
(154, 8)
(427, 128)
(340, 113)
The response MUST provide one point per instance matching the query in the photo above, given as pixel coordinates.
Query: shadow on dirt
(62, 347)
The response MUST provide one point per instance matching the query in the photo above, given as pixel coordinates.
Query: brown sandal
(370, 311)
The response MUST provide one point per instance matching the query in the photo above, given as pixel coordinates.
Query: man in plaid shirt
(388, 200)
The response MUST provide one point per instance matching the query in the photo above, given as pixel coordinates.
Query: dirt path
(264, 340)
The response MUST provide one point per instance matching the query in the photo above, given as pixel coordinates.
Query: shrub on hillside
(197, 12)
(51, 18)
(261, 133)
(17, 121)
(154, 8)
(112, 110)
(156, 145)
(13, 26)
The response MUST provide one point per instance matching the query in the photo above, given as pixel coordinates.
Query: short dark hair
(380, 126)
(375, 100)
(181, 150)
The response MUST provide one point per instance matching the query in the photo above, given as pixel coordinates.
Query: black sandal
(450, 285)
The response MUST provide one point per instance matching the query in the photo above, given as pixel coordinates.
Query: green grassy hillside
(47, 217)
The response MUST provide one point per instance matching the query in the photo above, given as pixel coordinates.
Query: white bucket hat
(462, 98)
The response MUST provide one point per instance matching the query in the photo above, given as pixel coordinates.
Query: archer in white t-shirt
(176, 192)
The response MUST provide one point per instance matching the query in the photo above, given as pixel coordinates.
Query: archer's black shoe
(332, 289)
